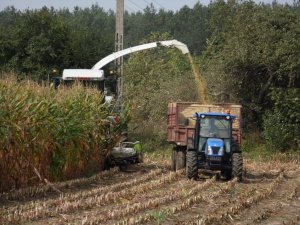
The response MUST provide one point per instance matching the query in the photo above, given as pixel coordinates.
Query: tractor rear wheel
(237, 166)
(180, 159)
(191, 164)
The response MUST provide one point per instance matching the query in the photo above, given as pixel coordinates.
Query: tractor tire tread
(191, 164)
(237, 166)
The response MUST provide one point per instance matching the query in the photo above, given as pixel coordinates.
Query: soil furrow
(55, 201)
(91, 201)
(148, 194)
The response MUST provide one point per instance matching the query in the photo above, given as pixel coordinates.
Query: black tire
(226, 174)
(173, 159)
(180, 159)
(237, 166)
(107, 164)
(191, 164)
(123, 166)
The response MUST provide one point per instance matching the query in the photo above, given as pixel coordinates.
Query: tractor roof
(197, 114)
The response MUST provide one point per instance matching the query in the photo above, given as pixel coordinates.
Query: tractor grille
(215, 150)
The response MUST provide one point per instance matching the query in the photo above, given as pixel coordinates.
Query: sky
(130, 5)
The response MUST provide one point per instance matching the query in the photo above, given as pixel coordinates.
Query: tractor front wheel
(191, 164)
(237, 166)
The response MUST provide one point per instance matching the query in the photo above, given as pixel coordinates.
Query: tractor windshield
(215, 127)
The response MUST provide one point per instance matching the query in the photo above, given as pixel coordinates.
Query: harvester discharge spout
(171, 43)
(177, 44)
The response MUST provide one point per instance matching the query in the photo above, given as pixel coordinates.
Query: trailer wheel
(180, 159)
(237, 166)
(191, 164)
(173, 159)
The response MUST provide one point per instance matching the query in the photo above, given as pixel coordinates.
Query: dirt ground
(150, 193)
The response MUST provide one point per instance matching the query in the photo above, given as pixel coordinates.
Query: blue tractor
(214, 146)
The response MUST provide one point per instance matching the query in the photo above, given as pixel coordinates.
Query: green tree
(91, 36)
(282, 123)
(190, 27)
(8, 16)
(39, 40)
(254, 49)
(152, 79)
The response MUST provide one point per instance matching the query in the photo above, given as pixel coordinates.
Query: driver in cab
(213, 129)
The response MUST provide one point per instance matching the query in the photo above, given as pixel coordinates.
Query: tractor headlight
(209, 150)
(221, 151)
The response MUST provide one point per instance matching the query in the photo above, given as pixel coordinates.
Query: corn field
(151, 194)
(52, 135)
(48, 134)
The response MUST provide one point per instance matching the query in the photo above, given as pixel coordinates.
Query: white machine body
(83, 74)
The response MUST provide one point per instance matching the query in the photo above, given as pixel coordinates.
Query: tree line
(247, 52)
(36, 41)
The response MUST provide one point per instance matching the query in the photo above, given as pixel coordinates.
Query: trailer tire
(173, 159)
(180, 159)
(237, 166)
(191, 164)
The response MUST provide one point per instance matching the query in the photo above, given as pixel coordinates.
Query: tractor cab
(214, 142)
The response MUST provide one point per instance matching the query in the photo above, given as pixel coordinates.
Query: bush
(282, 123)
